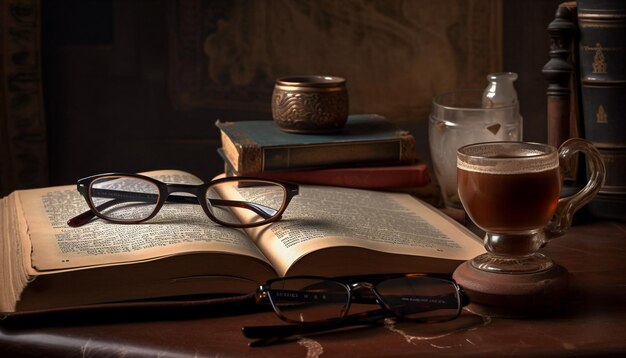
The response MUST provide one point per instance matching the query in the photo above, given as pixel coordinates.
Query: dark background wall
(105, 75)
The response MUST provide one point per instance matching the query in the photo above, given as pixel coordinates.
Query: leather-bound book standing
(587, 91)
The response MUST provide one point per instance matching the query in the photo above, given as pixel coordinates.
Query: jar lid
(311, 81)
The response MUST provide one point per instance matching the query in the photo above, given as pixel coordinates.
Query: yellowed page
(176, 229)
(7, 277)
(323, 217)
(15, 249)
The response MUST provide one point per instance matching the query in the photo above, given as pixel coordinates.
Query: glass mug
(511, 190)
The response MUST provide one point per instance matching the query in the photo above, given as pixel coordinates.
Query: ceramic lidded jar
(310, 104)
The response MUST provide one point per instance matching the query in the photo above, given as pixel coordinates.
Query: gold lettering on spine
(599, 63)
(601, 116)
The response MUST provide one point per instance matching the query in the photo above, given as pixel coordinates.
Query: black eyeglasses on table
(134, 198)
(314, 304)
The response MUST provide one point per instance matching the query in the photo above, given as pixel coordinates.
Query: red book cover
(382, 177)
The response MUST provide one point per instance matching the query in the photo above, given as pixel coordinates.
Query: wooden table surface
(592, 322)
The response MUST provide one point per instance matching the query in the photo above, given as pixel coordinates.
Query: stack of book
(370, 152)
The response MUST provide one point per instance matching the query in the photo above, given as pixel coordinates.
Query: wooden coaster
(512, 295)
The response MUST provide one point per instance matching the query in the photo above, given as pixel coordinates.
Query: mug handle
(562, 218)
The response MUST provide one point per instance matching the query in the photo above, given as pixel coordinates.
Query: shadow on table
(179, 309)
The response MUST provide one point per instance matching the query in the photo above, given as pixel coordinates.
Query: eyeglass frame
(266, 335)
(262, 293)
(84, 187)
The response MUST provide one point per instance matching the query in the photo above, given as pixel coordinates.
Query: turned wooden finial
(558, 72)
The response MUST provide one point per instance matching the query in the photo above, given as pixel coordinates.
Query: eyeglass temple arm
(120, 196)
(266, 335)
(85, 217)
(264, 211)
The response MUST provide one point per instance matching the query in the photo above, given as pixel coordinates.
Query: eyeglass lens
(124, 198)
(418, 298)
(131, 199)
(261, 201)
(309, 300)
(421, 298)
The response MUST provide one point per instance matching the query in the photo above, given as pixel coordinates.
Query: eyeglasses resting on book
(237, 202)
(314, 304)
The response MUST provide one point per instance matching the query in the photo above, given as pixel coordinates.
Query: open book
(325, 231)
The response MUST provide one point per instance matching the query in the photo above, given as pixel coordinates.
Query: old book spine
(602, 52)
(244, 155)
(396, 151)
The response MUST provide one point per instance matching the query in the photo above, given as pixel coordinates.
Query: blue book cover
(367, 139)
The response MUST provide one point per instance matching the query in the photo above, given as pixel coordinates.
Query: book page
(396, 223)
(176, 229)
(8, 256)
